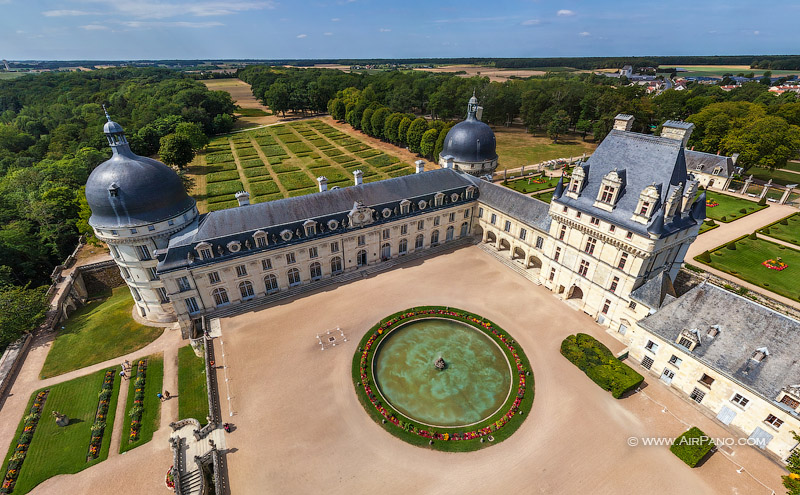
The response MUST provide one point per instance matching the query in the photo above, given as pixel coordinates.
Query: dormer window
(646, 206)
(607, 194)
(439, 199)
(204, 251)
(261, 238)
(716, 171)
(310, 227)
(405, 206)
(609, 191)
(470, 192)
(576, 182)
(689, 339)
(713, 331)
(760, 354)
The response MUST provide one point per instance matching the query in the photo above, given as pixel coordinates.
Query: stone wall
(99, 278)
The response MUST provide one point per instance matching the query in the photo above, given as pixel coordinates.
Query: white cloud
(756, 33)
(565, 13)
(474, 19)
(301, 36)
(335, 19)
(66, 13)
(327, 34)
(176, 24)
(152, 10)
(384, 30)
(95, 27)
(584, 33)
(531, 22)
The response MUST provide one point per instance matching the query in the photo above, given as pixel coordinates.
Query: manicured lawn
(706, 227)
(729, 207)
(516, 148)
(251, 112)
(99, 331)
(787, 233)
(777, 176)
(528, 185)
(192, 394)
(63, 450)
(746, 263)
(546, 197)
(154, 379)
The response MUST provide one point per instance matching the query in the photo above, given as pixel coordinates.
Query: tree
(194, 133)
(415, 132)
(390, 128)
(584, 126)
(222, 123)
(558, 125)
(428, 142)
(402, 130)
(767, 142)
(792, 480)
(176, 149)
(437, 150)
(21, 309)
(366, 121)
(378, 122)
(277, 98)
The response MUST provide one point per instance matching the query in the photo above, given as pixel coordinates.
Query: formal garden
(284, 160)
(506, 377)
(600, 365)
(67, 428)
(142, 407)
(786, 229)
(192, 390)
(527, 185)
(758, 261)
(724, 208)
(101, 330)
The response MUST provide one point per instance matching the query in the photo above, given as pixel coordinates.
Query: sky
(285, 29)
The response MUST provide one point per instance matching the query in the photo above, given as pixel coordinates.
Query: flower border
(775, 265)
(363, 376)
(21, 450)
(137, 411)
(99, 425)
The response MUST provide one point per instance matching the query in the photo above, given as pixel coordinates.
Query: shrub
(255, 172)
(753, 236)
(600, 365)
(296, 180)
(762, 201)
(711, 222)
(784, 222)
(242, 152)
(742, 211)
(285, 167)
(382, 160)
(766, 230)
(692, 446)
(343, 159)
(222, 205)
(219, 157)
(731, 245)
(723, 219)
(705, 257)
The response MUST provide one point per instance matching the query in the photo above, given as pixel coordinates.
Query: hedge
(692, 446)
(255, 172)
(222, 188)
(281, 168)
(243, 152)
(222, 176)
(600, 365)
(296, 180)
(223, 205)
(219, 157)
(253, 162)
(343, 159)
(263, 187)
(382, 160)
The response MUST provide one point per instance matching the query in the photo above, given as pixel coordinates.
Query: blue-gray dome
(129, 190)
(470, 141)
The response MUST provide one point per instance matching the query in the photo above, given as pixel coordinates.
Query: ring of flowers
(508, 418)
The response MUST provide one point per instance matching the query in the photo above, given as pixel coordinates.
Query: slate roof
(653, 293)
(744, 327)
(645, 160)
(524, 208)
(678, 124)
(708, 162)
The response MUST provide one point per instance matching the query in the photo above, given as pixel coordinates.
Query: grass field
(546, 196)
(777, 176)
(154, 379)
(746, 263)
(720, 70)
(284, 161)
(192, 394)
(707, 226)
(63, 450)
(99, 331)
(526, 186)
(11, 75)
(729, 207)
(787, 233)
(517, 148)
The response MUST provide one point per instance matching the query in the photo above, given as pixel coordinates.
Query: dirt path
(119, 419)
(242, 96)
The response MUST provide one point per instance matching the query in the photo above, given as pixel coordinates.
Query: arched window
(316, 270)
(449, 233)
(220, 296)
(271, 283)
(419, 242)
(336, 265)
(464, 229)
(386, 251)
(246, 290)
(294, 277)
(361, 258)
(434, 237)
(403, 246)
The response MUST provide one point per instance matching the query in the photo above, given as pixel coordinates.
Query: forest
(51, 138)
(749, 120)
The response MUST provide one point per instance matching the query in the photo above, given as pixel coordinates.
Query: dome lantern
(115, 135)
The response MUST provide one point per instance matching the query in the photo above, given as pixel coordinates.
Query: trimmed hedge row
(692, 446)
(222, 176)
(263, 187)
(222, 188)
(219, 157)
(295, 180)
(600, 365)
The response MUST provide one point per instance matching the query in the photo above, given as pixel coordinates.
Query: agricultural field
(517, 148)
(285, 160)
(721, 70)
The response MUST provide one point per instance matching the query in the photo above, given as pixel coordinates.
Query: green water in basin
(472, 387)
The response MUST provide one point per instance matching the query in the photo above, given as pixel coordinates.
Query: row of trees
(51, 138)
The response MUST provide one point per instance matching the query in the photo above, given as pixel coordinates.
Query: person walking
(122, 374)
(166, 394)
(160, 397)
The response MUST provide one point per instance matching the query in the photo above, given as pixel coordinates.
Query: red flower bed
(775, 265)
(23, 442)
(138, 401)
(99, 425)
(434, 435)
(710, 203)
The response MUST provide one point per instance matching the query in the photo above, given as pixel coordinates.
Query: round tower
(137, 203)
(470, 145)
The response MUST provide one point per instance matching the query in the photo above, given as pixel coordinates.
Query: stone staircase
(258, 303)
(191, 482)
(513, 265)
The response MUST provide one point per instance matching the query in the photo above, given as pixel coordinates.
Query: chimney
(420, 166)
(243, 197)
(623, 122)
(735, 158)
(323, 183)
(357, 176)
(677, 130)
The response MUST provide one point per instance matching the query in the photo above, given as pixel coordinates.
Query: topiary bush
(692, 446)
(784, 222)
(731, 245)
(753, 236)
(762, 201)
(711, 222)
(742, 211)
(705, 257)
(600, 365)
(723, 219)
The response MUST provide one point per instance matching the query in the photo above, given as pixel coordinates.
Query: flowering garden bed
(23, 442)
(142, 408)
(775, 265)
(99, 425)
(494, 429)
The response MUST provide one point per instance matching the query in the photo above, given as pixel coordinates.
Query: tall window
(419, 242)
(386, 233)
(136, 294)
(645, 208)
(452, 217)
(562, 233)
(466, 213)
(552, 274)
(334, 247)
(386, 251)
(312, 252)
(125, 273)
(246, 290)
(361, 258)
(523, 233)
(434, 237)
(336, 265)
(449, 233)
(404, 229)
(241, 270)
(421, 225)
(316, 271)
(162, 295)
(143, 253)
(436, 221)
(152, 273)
(606, 307)
(294, 277)
(191, 305)
(183, 284)
(480, 212)
(622, 260)
(507, 226)
(494, 219)
(608, 194)
(266, 264)
(539, 242)
(362, 240)
(213, 277)
(464, 229)
(290, 258)
(114, 251)
(271, 283)
(402, 248)
(558, 254)
(220, 296)
(584, 268)
(590, 244)
(614, 283)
